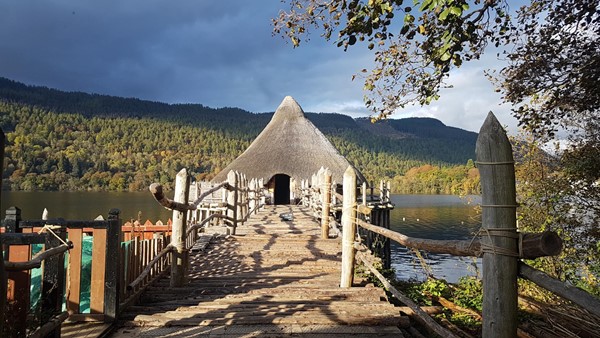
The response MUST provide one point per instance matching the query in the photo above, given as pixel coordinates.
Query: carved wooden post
(112, 279)
(180, 252)
(348, 227)
(232, 179)
(499, 238)
(326, 205)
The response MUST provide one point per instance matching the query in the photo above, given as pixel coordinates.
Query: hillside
(77, 141)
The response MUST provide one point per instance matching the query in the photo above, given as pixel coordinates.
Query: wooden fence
(20, 235)
(229, 203)
(498, 242)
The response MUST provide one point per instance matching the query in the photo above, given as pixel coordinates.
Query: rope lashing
(500, 206)
(50, 228)
(495, 163)
(499, 232)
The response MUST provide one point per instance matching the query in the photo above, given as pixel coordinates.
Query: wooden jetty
(231, 265)
(275, 277)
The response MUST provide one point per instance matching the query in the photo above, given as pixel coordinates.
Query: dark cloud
(218, 53)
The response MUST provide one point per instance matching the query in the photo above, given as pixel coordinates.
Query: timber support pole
(326, 195)
(348, 227)
(499, 230)
(112, 275)
(232, 198)
(179, 263)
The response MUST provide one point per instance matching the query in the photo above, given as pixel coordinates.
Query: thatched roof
(290, 144)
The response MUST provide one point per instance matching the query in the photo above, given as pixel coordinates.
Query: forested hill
(74, 140)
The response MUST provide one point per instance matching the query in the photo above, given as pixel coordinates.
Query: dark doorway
(282, 189)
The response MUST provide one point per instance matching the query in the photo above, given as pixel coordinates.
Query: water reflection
(434, 217)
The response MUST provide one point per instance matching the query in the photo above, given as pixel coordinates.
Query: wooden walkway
(274, 278)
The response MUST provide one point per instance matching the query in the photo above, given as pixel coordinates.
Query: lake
(425, 216)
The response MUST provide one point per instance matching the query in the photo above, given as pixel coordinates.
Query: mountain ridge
(96, 138)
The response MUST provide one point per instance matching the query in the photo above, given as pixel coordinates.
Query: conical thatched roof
(290, 144)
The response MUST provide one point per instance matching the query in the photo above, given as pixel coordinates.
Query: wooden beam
(564, 290)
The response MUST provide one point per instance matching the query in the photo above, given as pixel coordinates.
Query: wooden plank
(74, 270)
(98, 271)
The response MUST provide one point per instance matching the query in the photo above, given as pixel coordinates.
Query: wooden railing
(201, 204)
(19, 236)
(498, 242)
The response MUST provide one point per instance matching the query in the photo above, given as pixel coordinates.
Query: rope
(494, 163)
(498, 250)
(500, 205)
(49, 228)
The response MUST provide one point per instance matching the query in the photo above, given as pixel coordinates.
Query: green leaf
(444, 14)
(457, 11)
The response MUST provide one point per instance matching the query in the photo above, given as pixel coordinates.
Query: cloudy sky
(216, 53)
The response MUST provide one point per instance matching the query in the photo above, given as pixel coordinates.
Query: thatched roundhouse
(288, 150)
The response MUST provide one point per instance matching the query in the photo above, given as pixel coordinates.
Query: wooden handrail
(562, 289)
(168, 249)
(157, 191)
(535, 245)
(208, 192)
(201, 224)
(50, 326)
(36, 261)
(421, 315)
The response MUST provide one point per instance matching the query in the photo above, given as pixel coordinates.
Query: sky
(215, 53)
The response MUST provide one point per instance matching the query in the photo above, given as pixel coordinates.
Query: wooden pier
(230, 265)
(273, 278)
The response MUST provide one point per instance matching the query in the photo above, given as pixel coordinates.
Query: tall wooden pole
(348, 227)
(326, 205)
(496, 168)
(232, 214)
(180, 253)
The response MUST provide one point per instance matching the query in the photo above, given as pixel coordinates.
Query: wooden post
(388, 189)
(261, 186)
(238, 200)
(232, 179)
(496, 168)
(326, 205)
(364, 193)
(53, 280)
(180, 252)
(245, 199)
(112, 277)
(18, 281)
(348, 227)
